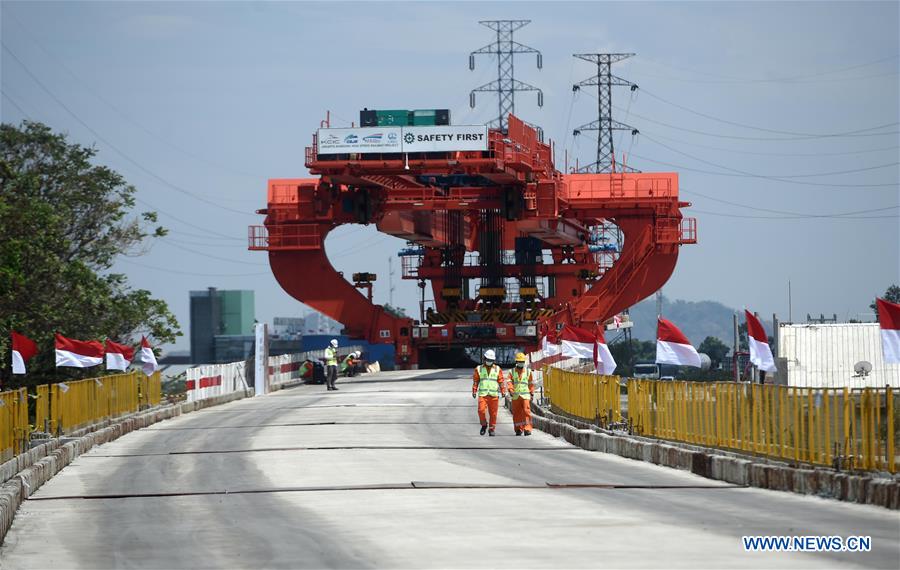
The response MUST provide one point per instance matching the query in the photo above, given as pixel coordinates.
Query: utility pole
(605, 125)
(391, 281)
(737, 370)
(506, 85)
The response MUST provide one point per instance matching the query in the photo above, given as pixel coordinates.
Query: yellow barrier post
(889, 420)
(879, 464)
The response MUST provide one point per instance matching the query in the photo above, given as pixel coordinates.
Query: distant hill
(697, 320)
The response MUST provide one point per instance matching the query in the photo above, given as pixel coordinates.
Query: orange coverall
(521, 405)
(487, 405)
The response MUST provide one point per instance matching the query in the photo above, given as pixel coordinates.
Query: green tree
(715, 349)
(63, 222)
(892, 294)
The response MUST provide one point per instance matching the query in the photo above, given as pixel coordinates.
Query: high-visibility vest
(520, 383)
(488, 381)
(330, 356)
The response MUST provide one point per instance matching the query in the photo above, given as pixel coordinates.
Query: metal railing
(13, 423)
(836, 427)
(65, 407)
(591, 397)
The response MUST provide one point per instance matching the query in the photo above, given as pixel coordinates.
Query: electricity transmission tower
(605, 124)
(506, 85)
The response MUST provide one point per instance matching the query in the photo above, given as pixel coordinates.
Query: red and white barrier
(215, 380)
(286, 368)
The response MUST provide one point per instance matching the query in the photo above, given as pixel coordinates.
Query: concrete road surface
(390, 471)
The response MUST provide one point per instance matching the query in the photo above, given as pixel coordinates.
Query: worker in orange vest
(487, 387)
(521, 389)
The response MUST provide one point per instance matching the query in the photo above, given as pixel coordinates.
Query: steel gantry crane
(511, 246)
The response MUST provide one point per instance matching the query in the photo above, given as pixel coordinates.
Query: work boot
(334, 387)
(518, 432)
(491, 433)
(483, 429)
(527, 433)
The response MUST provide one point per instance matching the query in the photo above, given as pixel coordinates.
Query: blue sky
(197, 104)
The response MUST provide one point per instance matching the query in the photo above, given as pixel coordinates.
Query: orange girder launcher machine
(512, 247)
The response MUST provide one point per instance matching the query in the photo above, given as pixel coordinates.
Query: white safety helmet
(489, 355)
(334, 342)
(357, 354)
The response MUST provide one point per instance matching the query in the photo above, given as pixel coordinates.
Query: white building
(824, 355)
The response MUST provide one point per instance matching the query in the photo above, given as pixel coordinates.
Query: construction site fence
(287, 368)
(14, 428)
(844, 428)
(215, 380)
(62, 408)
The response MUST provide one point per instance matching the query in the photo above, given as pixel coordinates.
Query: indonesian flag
(147, 357)
(578, 343)
(23, 348)
(118, 356)
(603, 358)
(672, 347)
(78, 353)
(550, 347)
(760, 352)
(889, 321)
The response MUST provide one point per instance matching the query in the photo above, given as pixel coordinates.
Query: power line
(200, 244)
(781, 154)
(116, 149)
(788, 179)
(356, 246)
(16, 105)
(792, 217)
(797, 78)
(183, 221)
(179, 232)
(866, 132)
(175, 271)
(786, 212)
(128, 118)
(746, 126)
(209, 256)
(813, 175)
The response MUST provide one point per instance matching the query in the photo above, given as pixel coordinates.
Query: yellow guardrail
(13, 423)
(592, 397)
(42, 409)
(855, 429)
(66, 407)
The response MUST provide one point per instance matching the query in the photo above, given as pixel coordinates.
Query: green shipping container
(393, 118)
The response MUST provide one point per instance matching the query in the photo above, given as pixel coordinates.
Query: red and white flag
(603, 358)
(118, 356)
(760, 351)
(78, 353)
(23, 348)
(889, 321)
(582, 343)
(672, 347)
(550, 347)
(576, 342)
(147, 357)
